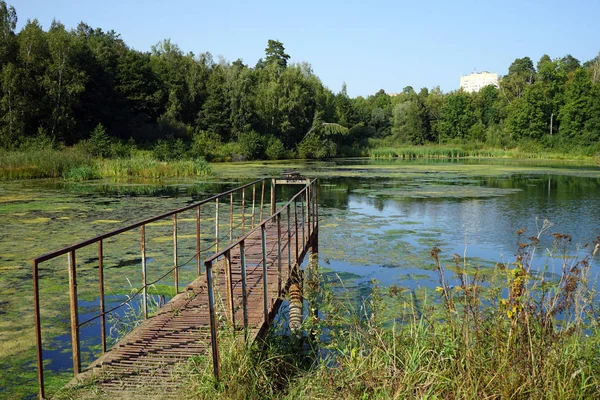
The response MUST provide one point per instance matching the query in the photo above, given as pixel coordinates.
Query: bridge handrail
(279, 211)
(87, 242)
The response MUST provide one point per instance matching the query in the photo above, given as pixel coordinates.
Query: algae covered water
(379, 220)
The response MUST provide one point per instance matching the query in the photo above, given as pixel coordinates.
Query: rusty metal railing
(301, 225)
(252, 212)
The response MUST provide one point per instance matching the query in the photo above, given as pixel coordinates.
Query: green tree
(526, 117)
(10, 123)
(456, 117)
(570, 63)
(33, 56)
(577, 109)
(275, 54)
(8, 23)
(520, 74)
(63, 81)
(434, 103)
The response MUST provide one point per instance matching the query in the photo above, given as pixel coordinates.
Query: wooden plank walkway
(143, 363)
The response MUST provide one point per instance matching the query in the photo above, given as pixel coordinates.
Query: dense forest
(86, 87)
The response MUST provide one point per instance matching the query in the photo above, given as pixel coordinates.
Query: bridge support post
(313, 278)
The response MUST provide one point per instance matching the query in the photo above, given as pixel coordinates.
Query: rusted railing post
(212, 318)
(265, 283)
(217, 225)
(308, 205)
(198, 243)
(243, 210)
(230, 218)
(175, 267)
(253, 203)
(273, 198)
(38, 330)
(144, 288)
(101, 284)
(279, 254)
(229, 288)
(296, 225)
(74, 313)
(302, 220)
(244, 294)
(262, 200)
(289, 240)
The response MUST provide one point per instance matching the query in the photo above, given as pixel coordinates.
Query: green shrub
(206, 144)
(99, 143)
(251, 145)
(315, 147)
(169, 150)
(275, 149)
(41, 141)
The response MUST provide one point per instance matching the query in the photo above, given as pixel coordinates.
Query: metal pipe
(264, 262)
(308, 205)
(175, 267)
(279, 254)
(217, 225)
(296, 226)
(244, 294)
(302, 209)
(289, 241)
(144, 287)
(212, 319)
(38, 330)
(198, 243)
(273, 198)
(102, 306)
(253, 202)
(230, 218)
(243, 210)
(262, 200)
(74, 313)
(229, 289)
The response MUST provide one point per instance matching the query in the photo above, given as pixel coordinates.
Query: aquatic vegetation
(503, 337)
(371, 227)
(442, 151)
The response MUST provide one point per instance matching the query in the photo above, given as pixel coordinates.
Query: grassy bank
(75, 165)
(463, 151)
(519, 334)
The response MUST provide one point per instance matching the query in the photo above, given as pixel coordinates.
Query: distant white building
(477, 80)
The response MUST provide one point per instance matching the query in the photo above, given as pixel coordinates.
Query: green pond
(379, 220)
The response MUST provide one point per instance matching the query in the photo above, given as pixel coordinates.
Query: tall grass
(150, 168)
(76, 165)
(43, 163)
(514, 334)
(463, 151)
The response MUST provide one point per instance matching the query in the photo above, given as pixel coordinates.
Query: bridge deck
(144, 362)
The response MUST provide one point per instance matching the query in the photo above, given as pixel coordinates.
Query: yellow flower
(439, 289)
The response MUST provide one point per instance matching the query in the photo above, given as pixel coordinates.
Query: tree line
(85, 85)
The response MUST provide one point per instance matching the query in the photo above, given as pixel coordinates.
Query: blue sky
(370, 45)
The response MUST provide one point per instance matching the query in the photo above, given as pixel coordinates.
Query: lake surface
(379, 220)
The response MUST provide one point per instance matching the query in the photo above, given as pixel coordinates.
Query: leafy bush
(169, 150)
(41, 141)
(315, 147)
(206, 144)
(251, 145)
(99, 143)
(275, 149)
